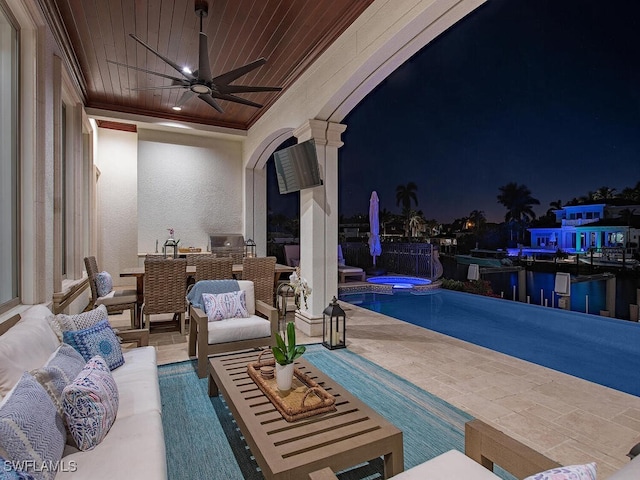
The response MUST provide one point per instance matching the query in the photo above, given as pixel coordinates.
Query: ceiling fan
(201, 82)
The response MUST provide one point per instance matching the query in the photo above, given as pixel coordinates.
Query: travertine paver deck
(568, 419)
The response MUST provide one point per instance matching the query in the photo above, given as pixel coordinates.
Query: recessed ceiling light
(176, 108)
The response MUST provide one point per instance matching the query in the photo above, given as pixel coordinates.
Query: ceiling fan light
(200, 89)
(187, 70)
(176, 108)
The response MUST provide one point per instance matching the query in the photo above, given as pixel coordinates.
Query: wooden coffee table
(352, 434)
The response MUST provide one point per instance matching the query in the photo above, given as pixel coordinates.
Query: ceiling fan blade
(204, 70)
(162, 87)
(175, 79)
(185, 96)
(233, 98)
(230, 76)
(210, 100)
(246, 89)
(163, 58)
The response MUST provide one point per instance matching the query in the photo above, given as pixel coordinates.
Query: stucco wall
(190, 183)
(117, 198)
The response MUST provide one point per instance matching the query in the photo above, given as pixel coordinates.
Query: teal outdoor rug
(203, 441)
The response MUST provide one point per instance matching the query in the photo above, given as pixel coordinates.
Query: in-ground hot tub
(399, 282)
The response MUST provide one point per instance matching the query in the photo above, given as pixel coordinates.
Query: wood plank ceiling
(290, 34)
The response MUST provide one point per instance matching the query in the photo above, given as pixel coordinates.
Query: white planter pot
(284, 376)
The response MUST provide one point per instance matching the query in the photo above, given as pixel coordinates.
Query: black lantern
(169, 245)
(249, 248)
(333, 326)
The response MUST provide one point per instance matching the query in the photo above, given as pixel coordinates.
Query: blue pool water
(602, 350)
(399, 282)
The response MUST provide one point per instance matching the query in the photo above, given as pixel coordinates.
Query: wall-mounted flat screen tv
(297, 167)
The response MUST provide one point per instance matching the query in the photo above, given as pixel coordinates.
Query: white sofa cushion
(133, 449)
(137, 382)
(631, 471)
(249, 295)
(26, 346)
(448, 466)
(236, 329)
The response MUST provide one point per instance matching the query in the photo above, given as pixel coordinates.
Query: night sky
(544, 93)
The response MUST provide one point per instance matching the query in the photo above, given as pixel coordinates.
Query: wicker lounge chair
(164, 289)
(212, 268)
(261, 271)
(115, 301)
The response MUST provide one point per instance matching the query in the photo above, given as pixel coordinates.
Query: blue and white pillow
(31, 430)
(587, 471)
(8, 471)
(221, 306)
(62, 322)
(104, 283)
(64, 365)
(97, 340)
(90, 404)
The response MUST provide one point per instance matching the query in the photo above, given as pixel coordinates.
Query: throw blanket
(194, 297)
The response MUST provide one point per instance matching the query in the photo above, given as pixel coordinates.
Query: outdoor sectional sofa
(134, 446)
(484, 447)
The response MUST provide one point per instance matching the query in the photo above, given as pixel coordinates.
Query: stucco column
(319, 225)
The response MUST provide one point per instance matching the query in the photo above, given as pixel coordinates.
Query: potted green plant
(285, 355)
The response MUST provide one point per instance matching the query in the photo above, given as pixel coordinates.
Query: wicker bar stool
(164, 289)
(115, 301)
(211, 268)
(261, 271)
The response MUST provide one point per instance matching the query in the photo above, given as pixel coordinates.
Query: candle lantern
(249, 248)
(170, 245)
(333, 326)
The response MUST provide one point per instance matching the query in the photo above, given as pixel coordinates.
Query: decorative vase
(284, 376)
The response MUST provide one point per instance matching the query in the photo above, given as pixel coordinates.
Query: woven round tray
(305, 399)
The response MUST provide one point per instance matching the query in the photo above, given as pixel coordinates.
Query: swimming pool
(599, 349)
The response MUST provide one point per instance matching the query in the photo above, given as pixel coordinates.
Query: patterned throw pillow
(219, 306)
(62, 323)
(31, 430)
(8, 472)
(63, 366)
(90, 404)
(572, 472)
(104, 284)
(97, 340)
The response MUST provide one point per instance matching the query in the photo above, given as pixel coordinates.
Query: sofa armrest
(271, 313)
(488, 446)
(139, 336)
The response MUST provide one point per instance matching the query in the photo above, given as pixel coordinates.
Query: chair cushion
(30, 428)
(221, 306)
(32, 335)
(448, 466)
(104, 283)
(236, 329)
(194, 297)
(62, 323)
(90, 404)
(137, 382)
(61, 369)
(97, 340)
(118, 297)
(571, 472)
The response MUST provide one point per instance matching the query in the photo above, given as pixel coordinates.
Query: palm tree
(404, 195)
(631, 193)
(385, 217)
(518, 201)
(604, 193)
(478, 219)
(555, 205)
(416, 220)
